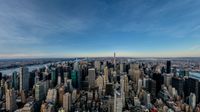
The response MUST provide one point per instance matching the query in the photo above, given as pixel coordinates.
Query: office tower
(151, 87)
(192, 85)
(69, 84)
(147, 99)
(76, 66)
(59, 79)
(39, 92)
(67, 102)
(144, 83)
(61, 92)
(122, 67)
(23, 96)
(139, 86)
(114, 61)
(37, 79)
(178, 84)
(106, 74)
(1, 92)
(159, 81)
(74, 95)
(53, 76)
(109, 89)
(118, 105)
(51, 96)
(75, 79)
(91, 77)
(100, 83)
(126, 85)
(32, 79)
(24, 79)
(168, 67)
(14, 80)
(192, 100)
(134, 72)
(46, 86)
(0, 76)
(97, 65)
(122, 86)
(167, 80)
(10, 100)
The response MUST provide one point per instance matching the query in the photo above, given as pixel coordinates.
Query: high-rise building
(76, 66)
(159, 81)
(39, 92)
(67, 102)
(126, 85)
(134, 73)
(24, 79)
(192, 100)
(109, 89)
(61, 93)
(0, 75)
(75, 79)
(167, 80)
(106, 74)
(14, 80)
(53, 76)
(151, 87)
(118, 102)
(178, 84)
(122, 67)
(97, 65)
(139, 86)
(51, 96)
(100, 83)
(168, 67)
(91, 77)
(192, 85)
(10, 100)
(114, 61)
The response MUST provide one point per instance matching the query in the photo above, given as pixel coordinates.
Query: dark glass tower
(168, 67)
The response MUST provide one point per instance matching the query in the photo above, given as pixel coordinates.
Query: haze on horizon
(97, 28)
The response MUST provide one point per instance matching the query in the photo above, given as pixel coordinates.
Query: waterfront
(30, 67)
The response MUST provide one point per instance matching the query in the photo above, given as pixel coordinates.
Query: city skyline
(98, 28)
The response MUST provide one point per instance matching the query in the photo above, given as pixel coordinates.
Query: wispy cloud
(195, 47)
(28, 27)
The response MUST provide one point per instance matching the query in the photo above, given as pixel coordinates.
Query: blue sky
(73, 28)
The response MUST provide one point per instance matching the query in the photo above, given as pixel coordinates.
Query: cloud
(195, 47)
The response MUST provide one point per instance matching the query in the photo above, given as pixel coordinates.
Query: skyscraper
(39, 92)
(106, 73)
(75, 79)
(14, 80)
(10, 100)
(192, 100)
(24, 79)
(178, 84)
(122, 67)
(134, 73)
(91, 77)
(97, 65)
(0, 75)
(168, 67)
(67, 102)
